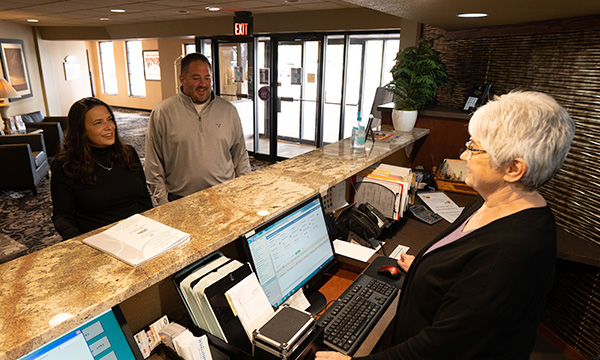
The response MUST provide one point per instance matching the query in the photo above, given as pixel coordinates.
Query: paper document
(190, 347)
(250, 303)
(353, 251)
(298, 300)
(441, 204)
(399, 250)
(137, 239)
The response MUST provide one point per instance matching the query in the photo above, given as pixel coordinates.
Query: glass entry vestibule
(297, 92)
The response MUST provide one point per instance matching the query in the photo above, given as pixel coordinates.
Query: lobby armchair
(24, 161)
(54, 128)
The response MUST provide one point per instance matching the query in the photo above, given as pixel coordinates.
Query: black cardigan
(117, 194)
(480, 297)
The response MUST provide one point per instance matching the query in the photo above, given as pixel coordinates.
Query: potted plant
(417, 74)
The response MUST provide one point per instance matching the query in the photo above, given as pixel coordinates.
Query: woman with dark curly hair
(96, 178)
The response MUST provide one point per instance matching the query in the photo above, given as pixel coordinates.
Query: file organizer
(386, 187)
(202, 288)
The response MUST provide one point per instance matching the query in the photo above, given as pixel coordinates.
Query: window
(108, 69)
(135, 69)
(370, 59)
(189, 48)
(206, 49)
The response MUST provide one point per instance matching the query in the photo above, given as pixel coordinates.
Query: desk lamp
(6, 92)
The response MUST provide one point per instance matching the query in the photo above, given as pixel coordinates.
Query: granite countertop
(75, 279)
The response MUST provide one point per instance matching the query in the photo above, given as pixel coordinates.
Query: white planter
(404, 120)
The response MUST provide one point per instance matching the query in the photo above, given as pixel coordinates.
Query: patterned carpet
(26, 220)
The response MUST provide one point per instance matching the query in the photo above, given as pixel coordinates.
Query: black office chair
(382, 96)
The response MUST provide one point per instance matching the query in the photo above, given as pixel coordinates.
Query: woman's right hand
(405, 261)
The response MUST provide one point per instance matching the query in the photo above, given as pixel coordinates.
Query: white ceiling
(438, 13)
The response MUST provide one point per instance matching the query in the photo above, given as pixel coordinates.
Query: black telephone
(360, 224)
(478, 97)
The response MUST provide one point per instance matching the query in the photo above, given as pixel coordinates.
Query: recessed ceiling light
(117, 10)
(33, 20)
(182, 12)
(292, 1)
(472, 15)
(213, 8)
(104, 19)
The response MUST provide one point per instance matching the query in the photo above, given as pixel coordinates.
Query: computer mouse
(390, 271)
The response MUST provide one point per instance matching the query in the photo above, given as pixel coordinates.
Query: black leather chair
(54, 128)
(24, 161)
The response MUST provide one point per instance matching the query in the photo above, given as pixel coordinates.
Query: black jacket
(480, 297)
(117, 194)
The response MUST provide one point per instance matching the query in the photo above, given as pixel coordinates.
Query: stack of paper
(386, 188)
(137, 239)
(190, 347)
(250, 303)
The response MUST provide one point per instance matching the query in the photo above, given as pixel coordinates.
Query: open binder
(202, 287)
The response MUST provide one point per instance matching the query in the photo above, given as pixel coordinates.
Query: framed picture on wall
(151, 65)
(14, 66)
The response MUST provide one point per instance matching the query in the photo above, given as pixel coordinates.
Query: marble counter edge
(105, 281)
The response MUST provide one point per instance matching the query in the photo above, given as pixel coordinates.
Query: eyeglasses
(471, 149)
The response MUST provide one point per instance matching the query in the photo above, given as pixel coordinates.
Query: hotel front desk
(75, 282)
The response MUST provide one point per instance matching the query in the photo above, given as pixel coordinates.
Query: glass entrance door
(298, 101)
(235, 84)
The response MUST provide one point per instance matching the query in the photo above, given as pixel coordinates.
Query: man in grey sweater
(194, 139)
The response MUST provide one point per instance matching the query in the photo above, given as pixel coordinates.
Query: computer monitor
(292, 251)
(106, 336)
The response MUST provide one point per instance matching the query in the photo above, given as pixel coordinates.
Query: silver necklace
(104, 167)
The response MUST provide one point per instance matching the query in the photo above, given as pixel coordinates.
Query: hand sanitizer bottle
(358, 135)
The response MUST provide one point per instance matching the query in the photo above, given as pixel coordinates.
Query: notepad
(137, 239)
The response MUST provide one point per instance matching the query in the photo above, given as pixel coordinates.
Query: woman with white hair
(478, 290)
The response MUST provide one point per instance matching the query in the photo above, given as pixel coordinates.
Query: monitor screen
(290, 250)
(103, 337)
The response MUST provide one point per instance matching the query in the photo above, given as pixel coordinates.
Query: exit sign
(242, 24)
(240, 29)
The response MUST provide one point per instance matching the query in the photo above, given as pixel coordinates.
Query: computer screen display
(102, 337)
(290, 250)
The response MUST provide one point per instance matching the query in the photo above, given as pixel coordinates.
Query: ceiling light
(117, 10)
(472, 15)
(182, 12)
(33, 20)
(104, 19)
(291, 1)
(213, 8)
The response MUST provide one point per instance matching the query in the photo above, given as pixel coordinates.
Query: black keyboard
(350, 319)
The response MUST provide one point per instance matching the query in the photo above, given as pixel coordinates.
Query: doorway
(297, 92)
(297, 107)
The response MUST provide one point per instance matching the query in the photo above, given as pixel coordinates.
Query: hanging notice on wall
(264, 75)
(72, 68)
(151, 65)
(296, 76)
(238, 74)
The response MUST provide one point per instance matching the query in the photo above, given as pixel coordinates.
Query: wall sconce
(6, 92)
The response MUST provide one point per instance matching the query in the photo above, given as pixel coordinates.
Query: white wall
(60, 92)
(36, 102)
